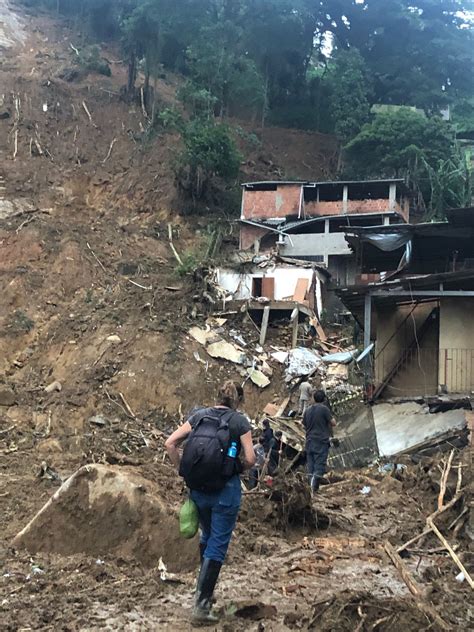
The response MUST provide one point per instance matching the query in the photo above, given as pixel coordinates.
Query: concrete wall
(456, 344)
(394, 334)
(240, 285)
(311, 244)
(271, 204)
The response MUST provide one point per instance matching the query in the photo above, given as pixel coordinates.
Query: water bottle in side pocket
(228, 469)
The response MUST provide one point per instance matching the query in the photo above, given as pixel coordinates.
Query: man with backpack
(218, 448)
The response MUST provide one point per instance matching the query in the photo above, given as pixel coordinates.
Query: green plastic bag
(188, 520)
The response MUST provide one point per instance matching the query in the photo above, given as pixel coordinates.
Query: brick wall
(248, 235)
(354, 207)
(266, 204)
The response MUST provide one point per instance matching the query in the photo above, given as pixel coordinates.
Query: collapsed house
(416, 313)
(300, 227)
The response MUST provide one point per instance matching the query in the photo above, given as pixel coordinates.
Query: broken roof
(312, 183)
(436, 245)
(406, 289)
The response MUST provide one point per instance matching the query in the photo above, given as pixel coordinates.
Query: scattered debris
(226, 351)
(302, 361)
(54, 386)
(258, 378)
(114, 339)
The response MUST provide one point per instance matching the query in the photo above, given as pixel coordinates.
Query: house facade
(307, 220)
(418, 310)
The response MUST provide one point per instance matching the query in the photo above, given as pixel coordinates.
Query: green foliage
(170, 119)
(293, 60)
(199, 101)
(190, 261)
(89, 58)
(20, 323)
(349, 90)
(406, 143)
(450, 183)
(395, 142)
(209, 151)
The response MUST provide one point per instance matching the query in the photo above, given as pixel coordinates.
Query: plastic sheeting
(301, 361)
(389, 241)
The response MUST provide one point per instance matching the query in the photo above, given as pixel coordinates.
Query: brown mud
(78, 232)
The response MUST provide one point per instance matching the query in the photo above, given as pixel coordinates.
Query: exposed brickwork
(248, 235)
(266, 204)
(286, 201)
(315, 209)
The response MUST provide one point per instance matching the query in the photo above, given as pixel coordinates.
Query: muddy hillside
(106, 343)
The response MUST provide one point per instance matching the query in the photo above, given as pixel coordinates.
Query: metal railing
(422, 371)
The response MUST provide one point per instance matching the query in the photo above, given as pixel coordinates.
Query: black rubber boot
(208, 576)
(202, 548)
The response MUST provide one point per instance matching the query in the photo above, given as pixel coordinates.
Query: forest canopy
(324, 65)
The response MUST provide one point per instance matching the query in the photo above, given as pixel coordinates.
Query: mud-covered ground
(79, 229)
(294, 563)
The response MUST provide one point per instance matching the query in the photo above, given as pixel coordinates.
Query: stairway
(407, 353)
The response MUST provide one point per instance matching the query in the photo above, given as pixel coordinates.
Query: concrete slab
(399, 427)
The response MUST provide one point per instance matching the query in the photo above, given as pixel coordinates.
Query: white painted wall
(240, 285)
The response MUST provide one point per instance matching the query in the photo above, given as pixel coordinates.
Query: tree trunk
(132, 74)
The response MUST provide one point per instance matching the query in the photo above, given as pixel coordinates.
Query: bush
(89, 58)
(209, 151)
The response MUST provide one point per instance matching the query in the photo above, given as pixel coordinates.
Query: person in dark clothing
(267, 435)
(318, 423)
(275, 453)
(217, 510)
(256, 471)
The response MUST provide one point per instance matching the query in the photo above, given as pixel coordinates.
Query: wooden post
(263, 331)
(294, 320)
(367, 332)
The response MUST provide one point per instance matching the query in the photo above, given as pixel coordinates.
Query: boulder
(104, 510)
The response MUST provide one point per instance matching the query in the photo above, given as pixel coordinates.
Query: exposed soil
(79, 229)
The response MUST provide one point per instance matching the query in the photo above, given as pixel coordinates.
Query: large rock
(7, 396)
(103, 510)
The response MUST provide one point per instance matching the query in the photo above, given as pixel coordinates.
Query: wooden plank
(451, 552)
(263, 331)
(268, 287)
(415, 588)
(301, 289)
(294, 321)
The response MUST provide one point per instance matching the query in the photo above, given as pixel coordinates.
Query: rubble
(226, 351)
(302, 361)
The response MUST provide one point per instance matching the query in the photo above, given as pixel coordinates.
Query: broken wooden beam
(415, 588)
(263, 330)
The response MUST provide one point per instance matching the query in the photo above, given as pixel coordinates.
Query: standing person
(210, 465)
(255, 472)
(306, 393)
(267, 435)
(318, 423)
(276, 447)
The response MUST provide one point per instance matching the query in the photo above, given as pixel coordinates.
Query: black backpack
(205, 465)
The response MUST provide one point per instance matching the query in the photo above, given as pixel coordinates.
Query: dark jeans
(254, 476)
(217, 517)
(316, 460)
